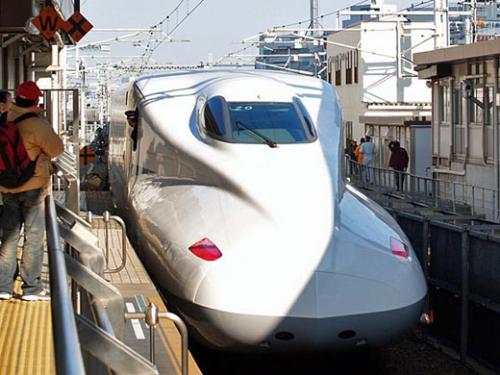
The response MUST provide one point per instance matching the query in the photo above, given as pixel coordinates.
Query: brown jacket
(39, 139)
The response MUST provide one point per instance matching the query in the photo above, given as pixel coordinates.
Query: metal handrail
(427, 189)
(152, 318)
(106, 217)
(67, 349)
(70, 216)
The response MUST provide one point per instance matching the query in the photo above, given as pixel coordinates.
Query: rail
(69, 358)
(455, 196)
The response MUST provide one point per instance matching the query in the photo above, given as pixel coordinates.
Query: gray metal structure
(457, 197)
(89, 318)
(459, 253)
(69, 358)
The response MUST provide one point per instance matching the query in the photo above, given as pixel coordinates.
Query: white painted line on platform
(136, 325)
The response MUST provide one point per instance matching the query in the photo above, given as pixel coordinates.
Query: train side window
(214, 116)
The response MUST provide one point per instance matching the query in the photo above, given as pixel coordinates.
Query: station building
(295, 51)
(465, 105)
(370, 67)
(26, 55)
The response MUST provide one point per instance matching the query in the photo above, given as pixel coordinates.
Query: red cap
(28, 90)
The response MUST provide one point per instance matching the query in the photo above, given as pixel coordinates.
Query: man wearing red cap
(25, 204)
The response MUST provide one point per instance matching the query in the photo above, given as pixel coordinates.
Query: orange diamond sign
(48, 22)
(77, 26)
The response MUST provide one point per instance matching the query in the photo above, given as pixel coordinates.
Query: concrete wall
(350, 96)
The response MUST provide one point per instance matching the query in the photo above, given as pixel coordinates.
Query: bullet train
(232, 186)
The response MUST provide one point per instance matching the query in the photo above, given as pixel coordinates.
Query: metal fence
(91, 304)
(460, 259)
(450, 195)
(89, 316)
(68, 353)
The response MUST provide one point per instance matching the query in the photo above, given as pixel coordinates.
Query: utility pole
(314, 15)
(442, 23)
(473, 5)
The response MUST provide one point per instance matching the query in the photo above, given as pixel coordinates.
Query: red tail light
(206, 250)
(399, 249)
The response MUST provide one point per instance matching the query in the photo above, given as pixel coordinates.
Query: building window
(458, 124)
(356, 66)
(338, 71)
(445, 103)
(476, 111)
(330, 68)
(348, 67)
(348, 130)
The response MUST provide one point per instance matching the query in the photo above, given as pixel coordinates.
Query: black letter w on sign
(47, 21)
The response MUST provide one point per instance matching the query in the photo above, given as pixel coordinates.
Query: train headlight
(206, 250)
(399, 248)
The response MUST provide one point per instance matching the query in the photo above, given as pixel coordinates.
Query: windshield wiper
(266, 140)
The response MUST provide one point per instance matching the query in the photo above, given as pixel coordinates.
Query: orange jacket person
(357, 152)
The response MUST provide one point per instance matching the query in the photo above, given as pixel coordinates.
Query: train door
(421, 154)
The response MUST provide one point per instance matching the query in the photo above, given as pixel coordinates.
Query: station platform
(26, 340)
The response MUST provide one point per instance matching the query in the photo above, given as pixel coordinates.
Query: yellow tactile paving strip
(26, 338)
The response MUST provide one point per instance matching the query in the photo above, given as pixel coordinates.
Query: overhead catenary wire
(151, 49)
(146, 55)
(308, 20)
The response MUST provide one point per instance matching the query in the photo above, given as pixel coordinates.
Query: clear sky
(217, 26)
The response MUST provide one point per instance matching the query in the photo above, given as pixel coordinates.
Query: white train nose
(329, 311)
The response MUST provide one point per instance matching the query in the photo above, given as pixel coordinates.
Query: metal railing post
(151, 317)
(464, 315)
(105, 216)
(67, 350)
(473, 201)
(453, 197)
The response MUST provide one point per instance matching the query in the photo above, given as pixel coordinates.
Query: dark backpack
(15, 165)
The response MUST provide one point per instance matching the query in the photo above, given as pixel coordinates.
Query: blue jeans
(28, 208)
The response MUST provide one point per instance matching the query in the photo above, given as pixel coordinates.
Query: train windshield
(258, 122)
(277, 122)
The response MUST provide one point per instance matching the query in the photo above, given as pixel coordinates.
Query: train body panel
(298, 245)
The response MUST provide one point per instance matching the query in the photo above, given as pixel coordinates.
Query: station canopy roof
(436, 63)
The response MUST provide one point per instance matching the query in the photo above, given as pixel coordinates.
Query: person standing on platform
(368, 151)
(399, 162)
(350, 155)
(5, 101)
(357, 151)
(25, 204)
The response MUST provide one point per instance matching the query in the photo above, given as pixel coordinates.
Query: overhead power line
(308, 20)
(150, 47)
